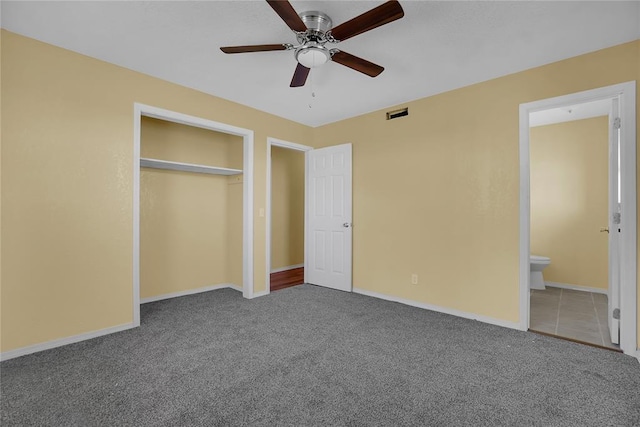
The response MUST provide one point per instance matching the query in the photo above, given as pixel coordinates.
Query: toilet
(537, 264)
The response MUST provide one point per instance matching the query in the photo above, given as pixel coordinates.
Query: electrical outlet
(261, 212)
(414, 279)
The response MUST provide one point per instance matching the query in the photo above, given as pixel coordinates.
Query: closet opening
(192, 206)
(286, 208)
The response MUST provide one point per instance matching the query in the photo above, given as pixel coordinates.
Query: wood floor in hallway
(286, 279)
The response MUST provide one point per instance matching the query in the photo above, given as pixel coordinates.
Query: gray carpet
(313, 356)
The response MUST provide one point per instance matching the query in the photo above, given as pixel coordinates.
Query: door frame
(613, 237)
(274, 142)
(140, 110)
(626, 93)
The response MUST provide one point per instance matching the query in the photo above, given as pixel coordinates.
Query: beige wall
(185, 218)
(234, 221)
(435, 193)
(234, 230)
(67, 189)
(1, 105)
(287, 207)
(569, 200)
(164, 140)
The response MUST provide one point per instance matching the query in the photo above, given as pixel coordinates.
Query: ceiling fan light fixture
(313, 55)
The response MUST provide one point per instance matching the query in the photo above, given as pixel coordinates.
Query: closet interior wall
(190, 223)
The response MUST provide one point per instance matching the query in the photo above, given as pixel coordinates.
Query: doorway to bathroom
(578, 212)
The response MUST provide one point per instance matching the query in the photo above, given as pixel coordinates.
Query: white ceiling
(436, 47)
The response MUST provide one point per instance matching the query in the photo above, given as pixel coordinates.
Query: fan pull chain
(313, 94)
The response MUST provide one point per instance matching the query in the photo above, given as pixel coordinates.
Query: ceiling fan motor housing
(316, 21)
(312, 52)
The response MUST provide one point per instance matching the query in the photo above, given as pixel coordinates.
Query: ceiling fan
(313, 30)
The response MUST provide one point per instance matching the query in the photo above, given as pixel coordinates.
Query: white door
(614, 223)
(329, 217)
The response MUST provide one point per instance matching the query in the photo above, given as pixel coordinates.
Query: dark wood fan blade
(383, 14)
(288, 14)
(253, 48)
(358, 64)
(300, 76)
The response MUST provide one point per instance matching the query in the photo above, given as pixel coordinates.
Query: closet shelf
(187, 167)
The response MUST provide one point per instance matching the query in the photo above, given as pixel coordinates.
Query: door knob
(346, 225)
(603, 229)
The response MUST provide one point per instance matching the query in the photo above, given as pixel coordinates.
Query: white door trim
(626, 92)
(140, 110)
(273, 142)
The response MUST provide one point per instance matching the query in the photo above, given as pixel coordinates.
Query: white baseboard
(289, 267)
(23, 351)
(235, 287)
(576, 287)
(451, 311)
(260, 294)
(190, 292)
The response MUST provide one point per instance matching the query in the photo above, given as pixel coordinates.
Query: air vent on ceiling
(397, 113)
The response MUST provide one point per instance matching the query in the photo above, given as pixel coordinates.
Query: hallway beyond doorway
(286, 279)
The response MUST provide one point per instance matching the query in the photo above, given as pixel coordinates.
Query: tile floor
(571, 314)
